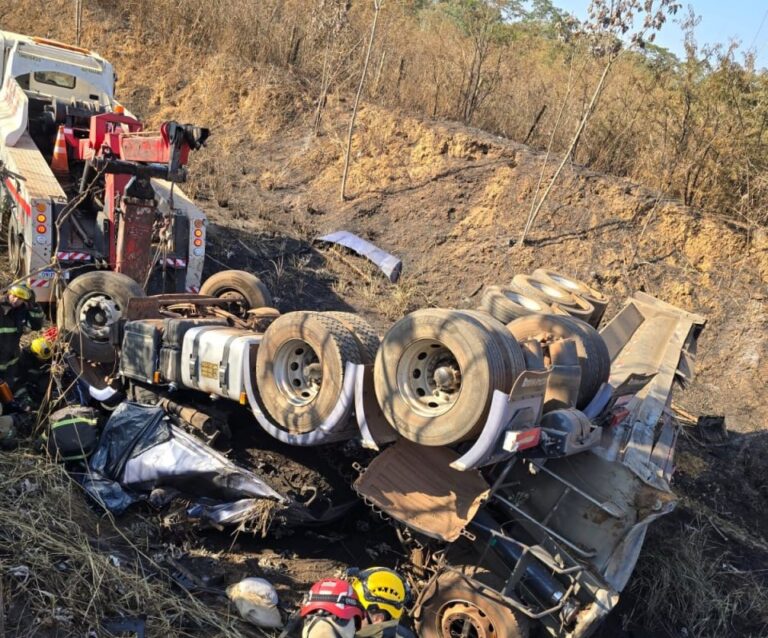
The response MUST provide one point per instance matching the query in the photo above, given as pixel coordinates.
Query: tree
(610, 22)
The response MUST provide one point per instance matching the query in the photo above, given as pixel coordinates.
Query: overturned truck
(521, 453)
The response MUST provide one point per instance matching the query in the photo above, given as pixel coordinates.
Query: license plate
(46, 274)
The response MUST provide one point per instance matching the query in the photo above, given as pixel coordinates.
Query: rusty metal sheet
(415, 485)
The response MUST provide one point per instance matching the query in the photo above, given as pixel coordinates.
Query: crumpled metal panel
(650, 342)
(13, 112)
(648, 336)
(390, 265)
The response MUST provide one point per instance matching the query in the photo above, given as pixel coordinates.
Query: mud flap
(375, 430)
(335, 428)
(417, 486)
(511, 425)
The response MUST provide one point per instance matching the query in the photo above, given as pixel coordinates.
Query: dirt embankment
(452, 202)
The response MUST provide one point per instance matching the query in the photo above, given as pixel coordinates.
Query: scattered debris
(390, 265)
(140, 450)
(257, 602)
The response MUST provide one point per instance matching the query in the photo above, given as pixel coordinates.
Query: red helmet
(334, 596)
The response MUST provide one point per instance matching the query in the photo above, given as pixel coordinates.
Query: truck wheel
(89, 306)
(594, 360)
(598, 300)
(515, 359)
(506, 304)
(455, 606)
(300, 368)
(435, 375)
(238, 285)
(368, 340)
(572, 303)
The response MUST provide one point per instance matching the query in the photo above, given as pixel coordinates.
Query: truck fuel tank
(213, 360)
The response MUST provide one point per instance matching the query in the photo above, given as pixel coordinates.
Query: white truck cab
(34, 68)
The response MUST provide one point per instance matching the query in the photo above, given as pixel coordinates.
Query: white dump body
(213, 360)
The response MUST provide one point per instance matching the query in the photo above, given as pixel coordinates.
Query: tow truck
(89, 200)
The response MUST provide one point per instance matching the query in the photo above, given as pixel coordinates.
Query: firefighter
(18, 310)
(34, 371)
(384, 594)
(331, 610)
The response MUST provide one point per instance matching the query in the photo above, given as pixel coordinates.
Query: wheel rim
(551, 292)
(429, 378)
(96, 314)
(570, 284)
(525, 302)
(460, 619)
(298, 372)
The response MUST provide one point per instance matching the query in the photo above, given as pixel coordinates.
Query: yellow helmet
(41, 348)
(22, 291)
(381, 589)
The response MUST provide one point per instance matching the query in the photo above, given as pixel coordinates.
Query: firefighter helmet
(21, 291)
(41, 348)
(381, 590)
(334, 596)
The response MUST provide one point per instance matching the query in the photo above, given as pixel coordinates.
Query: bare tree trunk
(400, 76)
(376, 9)
(535, 124)
(576, 137)
(293, 48)
(78, 21)
(325, 82)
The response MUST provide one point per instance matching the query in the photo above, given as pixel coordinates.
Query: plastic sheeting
(140, 451)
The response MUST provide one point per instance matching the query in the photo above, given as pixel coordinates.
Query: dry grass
(690, 582)
(57, 576)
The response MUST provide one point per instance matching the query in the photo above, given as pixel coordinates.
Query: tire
(238, 285)
(455, 606)
(314, 343)
(469, 356)
(594, 360)
(515, 358)
(598, 300)
(572, 303)
(367, 339)
(506, 304)
(89, 335)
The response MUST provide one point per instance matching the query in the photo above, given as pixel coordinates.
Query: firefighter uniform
(18, 311)
(34, 372)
